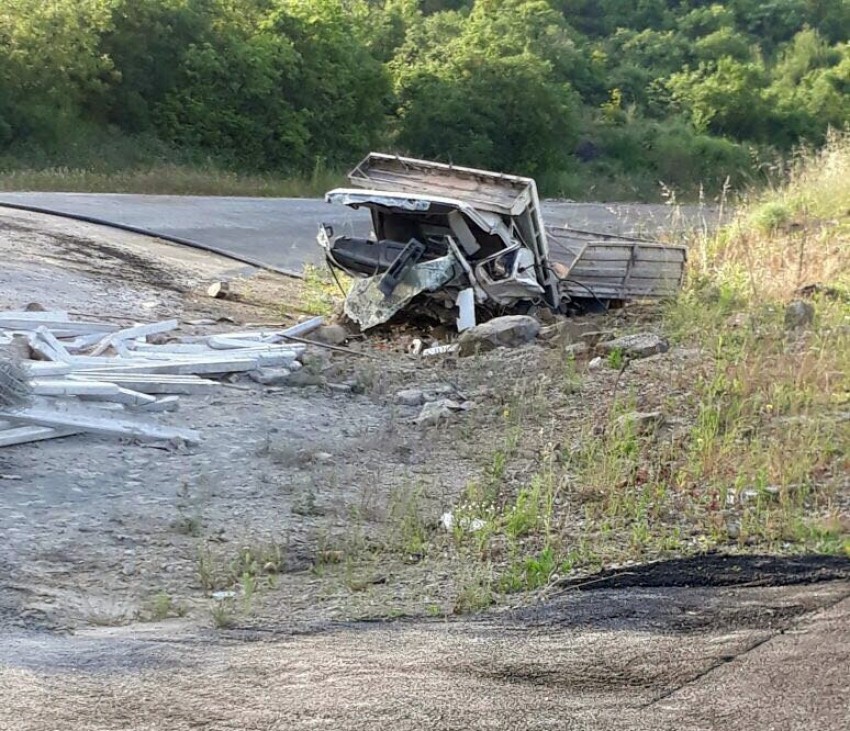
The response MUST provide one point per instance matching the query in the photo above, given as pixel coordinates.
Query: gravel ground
(98, 531)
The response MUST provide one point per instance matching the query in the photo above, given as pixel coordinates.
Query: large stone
(510, 331)
(639, 345)
(410, 397)
(799, 314)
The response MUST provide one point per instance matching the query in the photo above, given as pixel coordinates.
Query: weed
(162, 606)
(407, 526)
(216, 573)
(530, 572)
(223, 613)
(616, 359)
(322, 293)
(475, 590)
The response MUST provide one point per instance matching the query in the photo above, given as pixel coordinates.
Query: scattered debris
(799, 314)
(417, 397)
(460, 246)
(467, 524)
(219, 290)
(441, 349)
(639, 345)
(509, 331)
(98, 378)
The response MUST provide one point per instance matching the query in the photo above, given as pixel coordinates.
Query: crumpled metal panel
(367, 305)
(358, 199)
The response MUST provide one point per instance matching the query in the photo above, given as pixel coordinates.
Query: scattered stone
(510, 331)
(322, 457)
(639, 345)
(270, 376)
(799, 314)
(339, 387)
(434, 392)
(219, 290)
(410, 397)
(434, 412)
(221, 596)
(330, 335)
(640, 422)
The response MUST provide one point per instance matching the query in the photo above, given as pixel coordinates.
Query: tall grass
(790, 235)
(167, 179)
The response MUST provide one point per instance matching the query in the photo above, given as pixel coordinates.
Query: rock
(640, 422)
(410, 397)
(639, 345)
(219, 290)
(510, 331)
(799, 314)
(270, 376)
(330, 335)
(434, 412)
(595, 364)
(323, 457)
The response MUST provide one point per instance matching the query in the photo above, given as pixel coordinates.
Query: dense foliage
(569, 90)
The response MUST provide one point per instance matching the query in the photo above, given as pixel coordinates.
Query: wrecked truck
(460, 246)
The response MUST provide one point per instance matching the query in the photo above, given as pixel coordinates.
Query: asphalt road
(282, 231)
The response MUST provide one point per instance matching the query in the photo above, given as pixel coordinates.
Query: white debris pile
(102, 378)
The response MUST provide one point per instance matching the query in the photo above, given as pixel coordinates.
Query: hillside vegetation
(599, 98)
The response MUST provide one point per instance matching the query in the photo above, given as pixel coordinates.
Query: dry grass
(169, 180)
(789, 236)
(752, 452)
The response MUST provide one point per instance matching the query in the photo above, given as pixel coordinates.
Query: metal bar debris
(97, 377)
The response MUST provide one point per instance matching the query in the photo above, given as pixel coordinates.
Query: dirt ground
(124, 601)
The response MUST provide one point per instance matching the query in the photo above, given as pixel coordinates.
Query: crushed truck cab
(452, 243)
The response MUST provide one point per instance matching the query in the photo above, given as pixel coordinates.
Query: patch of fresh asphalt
(637, 658)
(281, 232)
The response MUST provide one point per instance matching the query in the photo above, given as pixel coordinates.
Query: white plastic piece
(466, 305)
(302, 328)
(137, 331)
(25, 434)
(97, 422)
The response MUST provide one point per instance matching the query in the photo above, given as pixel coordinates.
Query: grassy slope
(755, 452)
